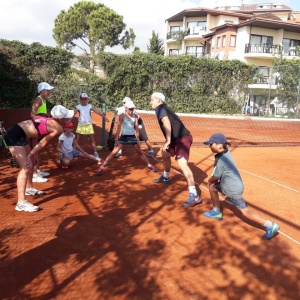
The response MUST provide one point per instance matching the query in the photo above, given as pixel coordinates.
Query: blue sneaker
(192, 200)
(162, 179)
(151, 153)
(213, 214)
(270, 231)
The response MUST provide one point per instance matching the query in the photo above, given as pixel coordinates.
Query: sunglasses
(84, 98)
(132, 109)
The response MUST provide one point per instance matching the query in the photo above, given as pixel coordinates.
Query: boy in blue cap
(227, 180)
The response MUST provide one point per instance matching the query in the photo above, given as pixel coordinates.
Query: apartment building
(252, 33)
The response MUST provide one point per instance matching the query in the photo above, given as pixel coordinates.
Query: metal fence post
(103, 125)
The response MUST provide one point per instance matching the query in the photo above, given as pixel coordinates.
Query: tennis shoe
(100, 171)
(151, 153)
(162, 179)
(151, 167)
(43, 173)
(38, 178)
(34, 192)
(64, 166)
(26, 206)
(213, 214)
(271, 231)
(119, 154)
(192, 200)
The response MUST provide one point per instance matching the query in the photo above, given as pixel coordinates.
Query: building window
(196, 27)
(223, 41)
(261, 40)
(290, 43)
(174, 31)
(195, 51)
(174, 52)
(219, 42)
(232, 40)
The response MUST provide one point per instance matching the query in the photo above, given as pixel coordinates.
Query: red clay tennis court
(120, 236)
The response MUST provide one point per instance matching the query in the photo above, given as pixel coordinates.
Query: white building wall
(242, 38)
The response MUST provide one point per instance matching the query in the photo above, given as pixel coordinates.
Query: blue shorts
(74, 153)
(127, 140)
(237, 201)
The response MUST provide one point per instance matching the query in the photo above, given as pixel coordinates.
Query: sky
(33, 20)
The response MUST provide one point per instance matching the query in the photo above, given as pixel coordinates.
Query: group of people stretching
(225, 178)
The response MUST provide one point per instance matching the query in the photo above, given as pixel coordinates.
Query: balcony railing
(196, 30)
(197, 54)
(174, 35)
(272, 49)
(190, 31)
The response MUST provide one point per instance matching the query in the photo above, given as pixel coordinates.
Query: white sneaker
(38, 178)
(43, 173)
(26, 206)
(34, 192)
(119, 154)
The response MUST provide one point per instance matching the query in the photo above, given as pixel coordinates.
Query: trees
(22, 66)
(156, 44)
(93, 24)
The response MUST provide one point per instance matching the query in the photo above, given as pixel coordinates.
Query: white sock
(268, 224)
(192, 190)
(166, 174)
(216, 209)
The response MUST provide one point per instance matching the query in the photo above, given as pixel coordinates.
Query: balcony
(196, 54)
(190, 33)
(269, 50)
(175, 35)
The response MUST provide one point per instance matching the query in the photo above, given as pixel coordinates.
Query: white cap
(60, 112)
(126, 99)
(129, 104)
(159, 96)
(84, 95)
(44, 86)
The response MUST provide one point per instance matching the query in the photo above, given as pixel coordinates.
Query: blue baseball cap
(217, 138)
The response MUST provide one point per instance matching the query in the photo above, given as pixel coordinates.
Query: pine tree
(156, 44)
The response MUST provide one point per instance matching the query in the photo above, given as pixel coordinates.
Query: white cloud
(33, 20)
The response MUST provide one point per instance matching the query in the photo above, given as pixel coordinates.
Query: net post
(103, 125)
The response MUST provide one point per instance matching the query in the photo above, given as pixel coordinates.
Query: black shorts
(15, 136)
(127, 140)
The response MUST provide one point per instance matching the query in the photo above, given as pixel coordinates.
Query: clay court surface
(120, 236)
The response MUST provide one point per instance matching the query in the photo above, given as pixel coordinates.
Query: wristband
(30, 154)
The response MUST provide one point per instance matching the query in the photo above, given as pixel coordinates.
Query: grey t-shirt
(226, 171)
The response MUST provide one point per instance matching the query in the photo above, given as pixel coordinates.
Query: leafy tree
(156, 44)
(93, 24)
(288, 82)
(22, 66)
(188, 82)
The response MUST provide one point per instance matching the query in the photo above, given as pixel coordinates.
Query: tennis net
(239, 130)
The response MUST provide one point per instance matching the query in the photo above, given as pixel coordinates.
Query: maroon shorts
(181, 148)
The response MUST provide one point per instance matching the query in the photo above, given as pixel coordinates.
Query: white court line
(263, 178)
(204, 187)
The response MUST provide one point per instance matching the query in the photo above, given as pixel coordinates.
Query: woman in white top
(85, 123)
(130, 136)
